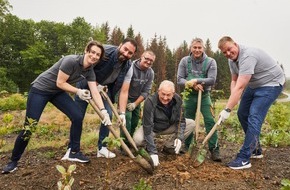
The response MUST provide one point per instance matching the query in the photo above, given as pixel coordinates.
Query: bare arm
(61, 82)
(139, 100)
(96, 95)
(123, 98)
(238, 85)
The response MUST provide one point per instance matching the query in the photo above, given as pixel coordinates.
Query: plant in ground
(286, 184)
(112, 143)
(142, 185)
(66, 181)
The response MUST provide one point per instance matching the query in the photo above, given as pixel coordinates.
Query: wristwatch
(228, 110)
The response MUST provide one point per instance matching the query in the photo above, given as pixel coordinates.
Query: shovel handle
(113, 131)
(197, 115)
(213, 129)
(124, 129)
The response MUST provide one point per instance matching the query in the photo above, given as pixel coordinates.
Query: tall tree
(5, 8)
(223, 73)
(208, 50)
(180, 52)
(117, 36)
(140, 47)
(130, 32)
(79, 34)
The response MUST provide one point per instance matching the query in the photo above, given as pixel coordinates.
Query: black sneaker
(77, 157)
(257, 154)
(215, 156)
(11, 167)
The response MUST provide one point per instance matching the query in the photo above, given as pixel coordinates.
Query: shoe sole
(77, 160)
(99, 155)
(8, 172)
(257, 156)
(242, 167)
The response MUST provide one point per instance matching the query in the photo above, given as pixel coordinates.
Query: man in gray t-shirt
(258, 80)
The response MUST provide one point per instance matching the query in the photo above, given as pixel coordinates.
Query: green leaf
(72, 168)
(61, 169)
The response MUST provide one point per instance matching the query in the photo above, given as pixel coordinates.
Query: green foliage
(6, 83)
(285, 184)
(277, 132)
(66, 181)
(142, 185)
(7, 118)
(216, 95)
(112, 142)
(186, 92)
(13, 102)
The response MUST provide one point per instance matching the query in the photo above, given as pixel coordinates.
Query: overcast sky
(259, 23)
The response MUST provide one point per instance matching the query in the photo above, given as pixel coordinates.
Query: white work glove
(102, 88)
(155, 159)
(106, 120)
(131, 106)
(123, 118)
(84, 94)
(177, 145)
(224, 115)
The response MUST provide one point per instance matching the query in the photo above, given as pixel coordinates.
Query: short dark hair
(132, 41)
(95, 43)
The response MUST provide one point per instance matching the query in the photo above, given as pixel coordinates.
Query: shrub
(13, 102)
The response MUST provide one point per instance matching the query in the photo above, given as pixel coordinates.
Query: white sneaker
(65, 157)
(104, 152)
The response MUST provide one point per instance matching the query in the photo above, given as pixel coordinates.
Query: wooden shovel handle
(213, 129)
(113, 131)
(197, 115)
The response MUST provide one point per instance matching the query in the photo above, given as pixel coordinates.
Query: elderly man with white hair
(163, 115)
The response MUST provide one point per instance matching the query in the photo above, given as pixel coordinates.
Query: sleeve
(182, 72)
(147, 87)
(129, 74)
(181, 120)
(148, 125)
(67, 65)
(211, 74)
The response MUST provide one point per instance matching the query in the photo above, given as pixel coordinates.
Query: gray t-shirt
(114, 75)
(264, 69)
(71, 65)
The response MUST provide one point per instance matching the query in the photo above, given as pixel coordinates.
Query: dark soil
(38, 171)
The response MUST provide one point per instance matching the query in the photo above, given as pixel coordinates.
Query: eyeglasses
(148, 59)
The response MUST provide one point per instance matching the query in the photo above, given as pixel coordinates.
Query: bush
(13, 102)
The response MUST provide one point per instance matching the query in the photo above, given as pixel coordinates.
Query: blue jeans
(36, 102)
(252, 111)
(104, 131)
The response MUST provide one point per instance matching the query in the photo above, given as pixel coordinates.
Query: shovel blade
(200, 157)
(142, 152)
(144, 164)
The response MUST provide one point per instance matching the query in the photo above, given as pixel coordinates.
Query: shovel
(138, 159)
(197, 122)
(201, 154)
(142, 152)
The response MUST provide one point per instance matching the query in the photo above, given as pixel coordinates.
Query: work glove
(106, 120)
(84, 94)
(102, 88)
(191, 83)
(131, 106)
(224, 115)
(123, 118)
(177, 145)
(155, 159)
